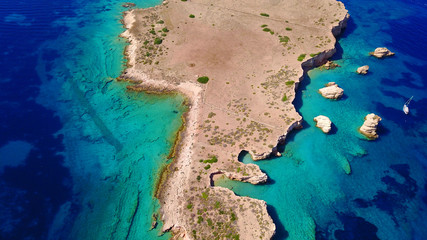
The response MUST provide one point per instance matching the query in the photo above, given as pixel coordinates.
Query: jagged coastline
(177, 177)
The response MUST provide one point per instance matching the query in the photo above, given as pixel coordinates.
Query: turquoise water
(311, 193)
(80, 154)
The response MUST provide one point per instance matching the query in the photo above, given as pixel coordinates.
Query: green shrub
(165, 30)
(288, 29)
(314, 54)
(203, 79)
(289, 83)
(207, 167)
(284, 98)
(217, 204)
(199, 219)
(161, 22)
(152, 31)
(284, 39)
(301, 57)
(210, 223)
(213, 159)
(158, 41)
(233, 217)
(264, 25)
(198, 178)
(189, 206)
(192, 16)
(266, 29)
(264, 14)
(205, 195)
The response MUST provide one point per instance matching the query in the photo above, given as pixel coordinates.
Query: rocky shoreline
(189, 184)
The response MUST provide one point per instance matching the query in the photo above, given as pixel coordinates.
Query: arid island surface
(254, 54)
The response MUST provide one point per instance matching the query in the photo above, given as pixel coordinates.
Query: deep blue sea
(79, 155)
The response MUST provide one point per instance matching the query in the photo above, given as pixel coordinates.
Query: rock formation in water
(329, 65)
(331, 91)
(369, 127)
(324, 123)
(363, 70)
(381, 52)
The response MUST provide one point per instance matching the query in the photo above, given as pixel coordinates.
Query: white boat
(405, 106)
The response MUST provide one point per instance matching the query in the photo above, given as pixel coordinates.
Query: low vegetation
(301, 57)
(289, 83)
(203, 79)
(284, 98)
(264, 14)
(284, 39)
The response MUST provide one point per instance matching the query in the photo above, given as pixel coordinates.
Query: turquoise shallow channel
(80, 155)
(311, 193)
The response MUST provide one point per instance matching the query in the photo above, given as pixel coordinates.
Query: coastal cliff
(252, 56)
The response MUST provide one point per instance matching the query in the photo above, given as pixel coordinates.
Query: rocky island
(324, 123)
(369, 127)
(238, 63)
(381, 52)
(331, 91)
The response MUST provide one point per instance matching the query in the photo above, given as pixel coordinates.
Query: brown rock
(363, 70)
(369, 127)
(331, 91)
(381, 52)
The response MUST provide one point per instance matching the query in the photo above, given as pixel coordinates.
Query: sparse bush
(301, 57)
(284, 98)
(158, 41)
(203, 79)
(264, 14)
(191, 16)
(289, 83)
(284, 39)
(288, 29)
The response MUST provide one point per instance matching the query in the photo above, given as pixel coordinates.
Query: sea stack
(323, 122)
(369, 127)
(331, 91)
(363, 70)
(381, 52)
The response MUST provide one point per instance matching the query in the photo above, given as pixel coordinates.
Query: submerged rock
(369, 127)
(381, 52)
(323, 122)
(363, 70)
(153, 221)
(329, 65)
(129, 5)
(331, 91)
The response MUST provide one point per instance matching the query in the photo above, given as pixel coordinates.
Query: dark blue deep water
(78, 153)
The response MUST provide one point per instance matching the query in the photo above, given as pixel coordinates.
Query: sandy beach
(254, 55)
